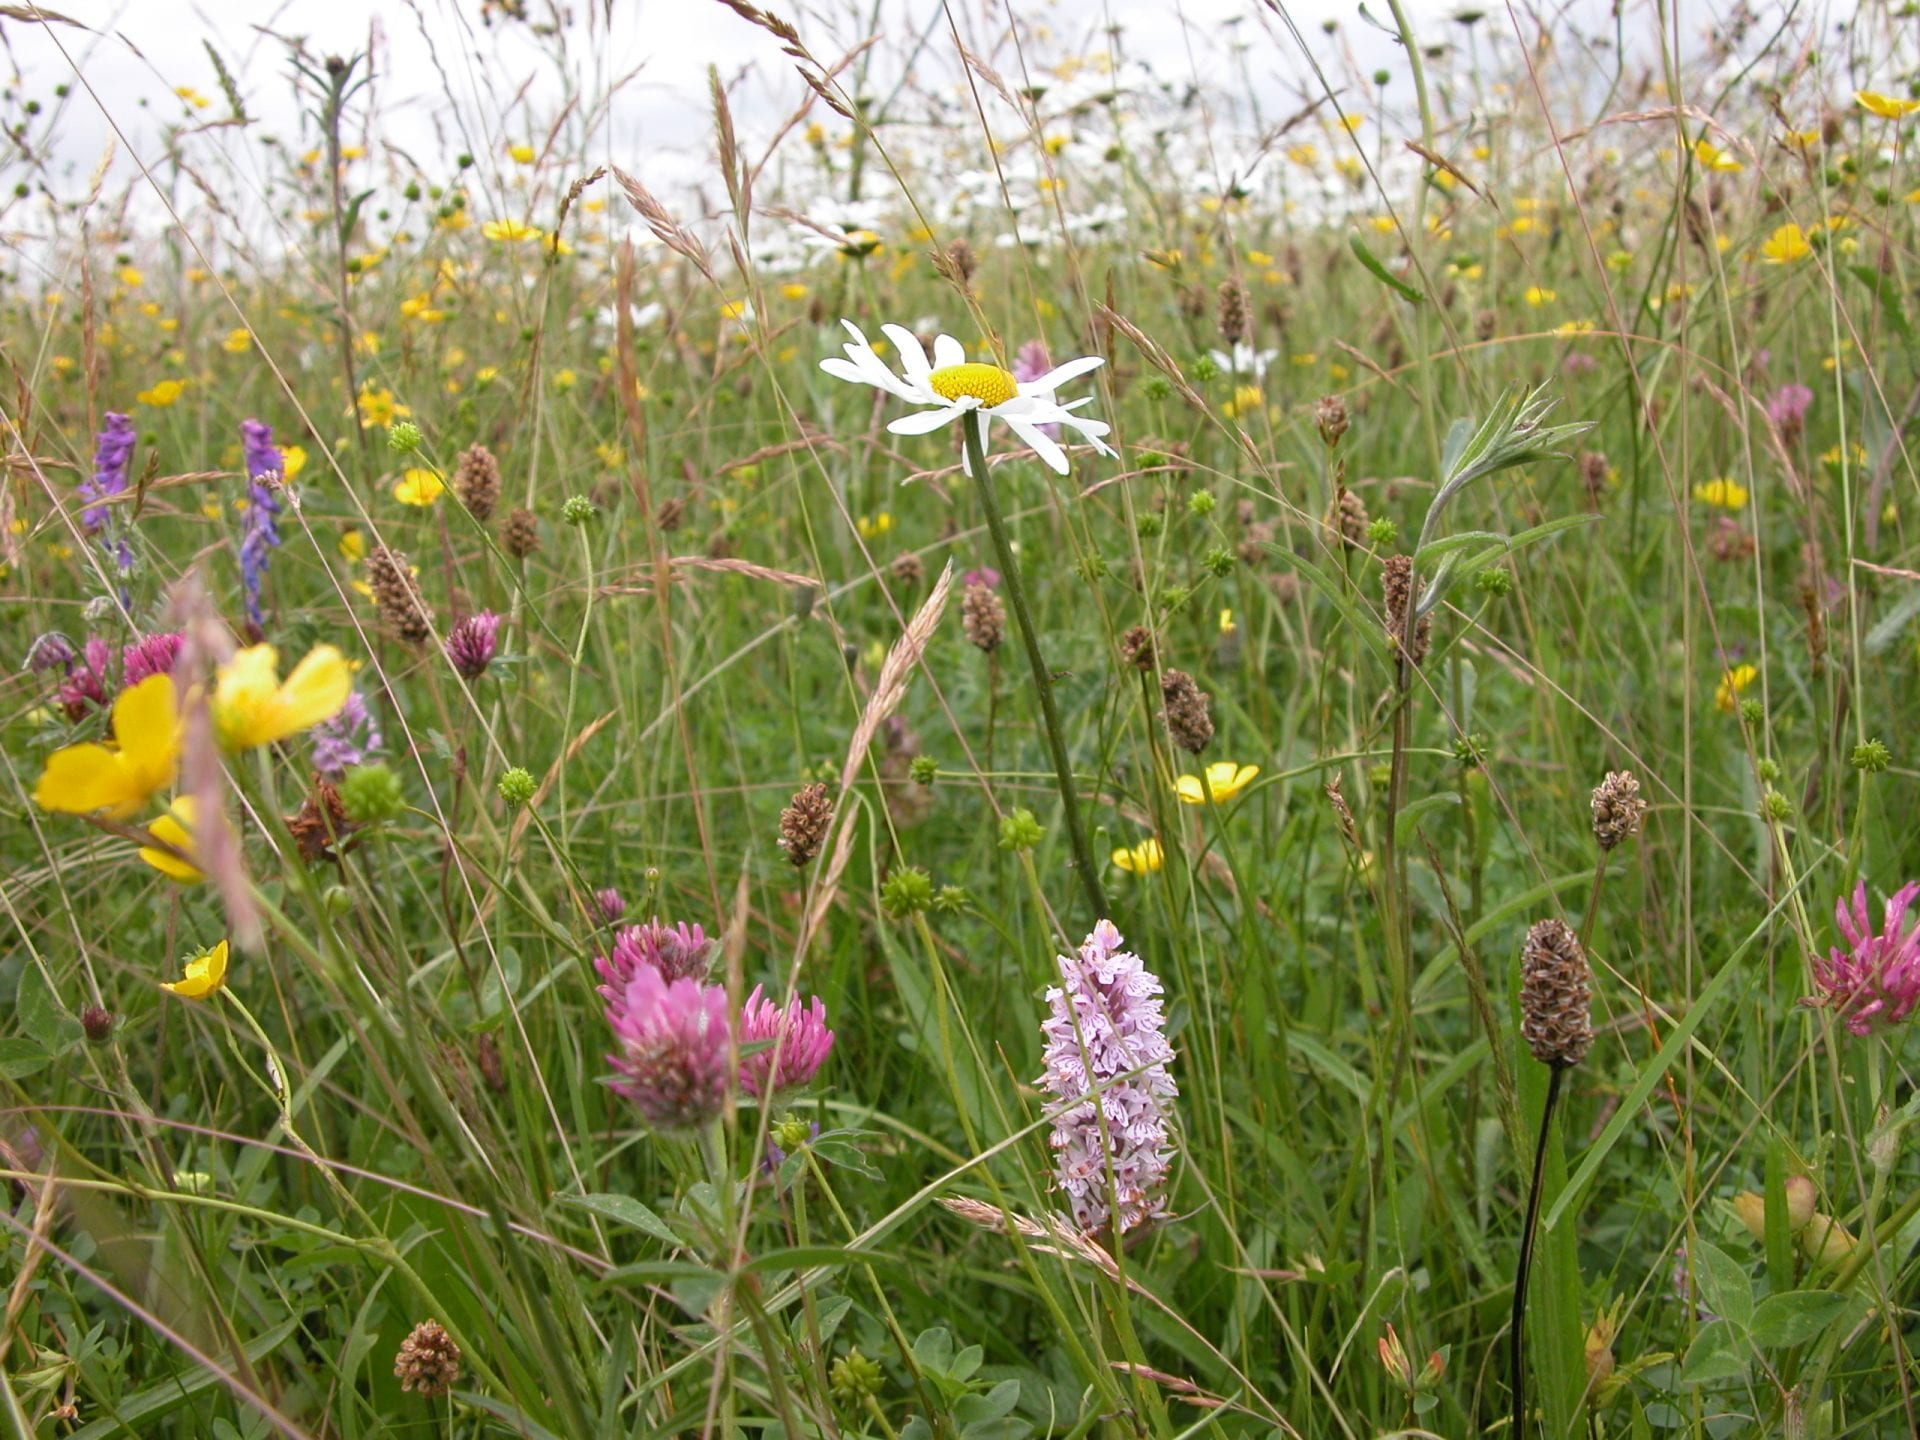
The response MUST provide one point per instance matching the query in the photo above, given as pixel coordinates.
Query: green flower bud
(337, 901)
(1383, 532)
(1092, 566)
(924, 769)
(403, 437)
(1769, 771)
(1020, 831)
(1174, 599)
(1157, 387)
(1774, 805)
(577, 511)
(1205, 369)
(517, 787)
(951, 899)
(1150, 524)
(1219, 562)
(371, 794)
(1752, 711)
(790, 1132)
(1494, 581)
(854, 1378)
(1871, 756)
(906, 892)
(1200, 503)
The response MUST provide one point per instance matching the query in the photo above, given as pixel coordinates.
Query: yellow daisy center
(988, 384)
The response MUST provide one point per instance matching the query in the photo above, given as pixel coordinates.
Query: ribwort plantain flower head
(1875, 982)
(1105, 1022)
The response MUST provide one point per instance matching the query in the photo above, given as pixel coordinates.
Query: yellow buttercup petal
(315, 691)
(146, 722)
(252, 706)
(206, 973)
(82, 779)
(174, 828)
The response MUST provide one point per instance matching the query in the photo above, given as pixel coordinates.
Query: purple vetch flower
(346, 740)
(150, 655)
(264, 464)
(611, 904)
(471, 643)
(672, 1048)
(1105, 1022)
(677, 952)
(1875, 982)
(49, 652)
(799, 1033)
(112, 452)
(85, 687)
(1788, 411)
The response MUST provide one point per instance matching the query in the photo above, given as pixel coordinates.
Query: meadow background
(1639, 282)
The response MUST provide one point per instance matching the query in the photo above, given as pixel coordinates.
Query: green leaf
(1380, 272)
(1717, 1353)
(20, 1057)
(1409, 819)
(1795, 1317)
(1724, 1285)
(135, 1414)
(1367, 628)
(625, 1210)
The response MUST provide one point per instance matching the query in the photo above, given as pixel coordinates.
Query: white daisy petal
(1037, 440)
(913, 359)
(948, 351)
(1060, 374)
(922, 422)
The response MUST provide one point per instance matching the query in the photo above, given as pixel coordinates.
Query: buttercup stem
(1042, 679)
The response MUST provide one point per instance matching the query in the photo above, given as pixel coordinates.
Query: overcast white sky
(447, 83)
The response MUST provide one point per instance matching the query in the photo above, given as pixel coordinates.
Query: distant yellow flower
(420, 307)
(794, 290)
(1800, 139)
(377, 407)
(1227, 626)
(522, 154)
(1222, 781)
(1785, 245)
(131, 278)
(1620, 260)
(1141, 859)
(163, 394)
(352, 546)
(1887, 107)
(1712, 157)
(1727, 693)
(872, 527)
(83, 779)
(1538, 295)
(1246, 400)
(510, 232)
(1721, 493)
(175, 828)
(192, 96)
(733, 310)
(238, 342)
(565, 380)
(206, 973)
(253, 706)
(418, 487)
(293, 459)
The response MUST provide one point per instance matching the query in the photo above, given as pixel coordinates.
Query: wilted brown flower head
(1350, 519)
(520, 536)
(1617, 808)
(1397, 585)
(805, 822)
(1232, 306)
(1187, 719)
(1136, 648)
(397, 595)
(1330, 418)
(983, 617)
(907, 569)
(1554, 998)
(428, 1362)
(476, 480)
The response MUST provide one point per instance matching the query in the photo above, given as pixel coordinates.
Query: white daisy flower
(951, 386)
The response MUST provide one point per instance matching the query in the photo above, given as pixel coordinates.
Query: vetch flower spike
(950, 386)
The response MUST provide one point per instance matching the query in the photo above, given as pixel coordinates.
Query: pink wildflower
(1106, 1023)
(1875, 983)
(799, 1033)
(673, 1045)
(677, 952)
(150, 655)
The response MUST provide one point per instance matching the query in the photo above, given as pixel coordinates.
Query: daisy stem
(1042, 677)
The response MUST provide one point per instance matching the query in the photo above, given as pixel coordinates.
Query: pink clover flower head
(1875, 982)
(150, 655)
(798, 1034)
(672, 1046)
(1105, 1022)
(676, 952)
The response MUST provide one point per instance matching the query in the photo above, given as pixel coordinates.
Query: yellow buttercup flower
(1222, 781)
(84, 779)
(1538, 295)
(872, 527)
(1727, 693)
(1712, 157)
(1722, 493)
(1887, 107)
(238, 342)
(175, 828)
(418, 487)
(510, 232)
(522, 154)
(163, 394)
(352, 546)
(253, 706)
(1141, 859)
(1785, 245)
(206, 973)
(293, 459)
